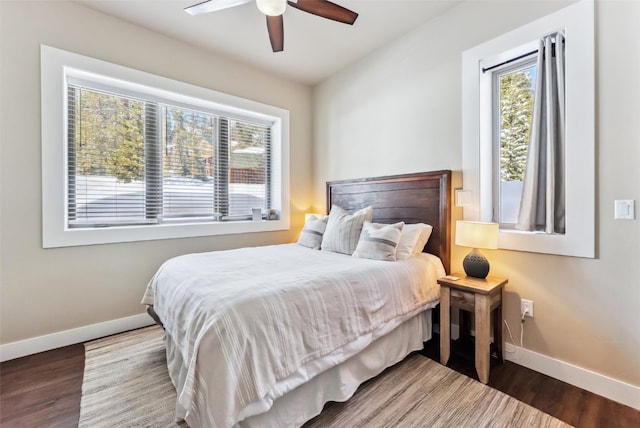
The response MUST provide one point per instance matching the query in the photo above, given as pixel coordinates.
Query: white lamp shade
(272, 7)
(476, 234)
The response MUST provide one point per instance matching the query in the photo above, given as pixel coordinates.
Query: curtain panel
(542, 206)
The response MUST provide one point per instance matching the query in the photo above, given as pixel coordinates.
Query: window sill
(60, 237)
(539, 242)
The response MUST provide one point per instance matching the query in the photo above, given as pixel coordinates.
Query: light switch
(625, 209)
(463, 197)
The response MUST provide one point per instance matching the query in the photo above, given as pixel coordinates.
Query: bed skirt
(338, 383)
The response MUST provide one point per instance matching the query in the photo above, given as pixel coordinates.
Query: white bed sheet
(247, 326)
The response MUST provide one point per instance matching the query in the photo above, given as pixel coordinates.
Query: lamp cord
(510, 335)
(521, 332)
(522, 328)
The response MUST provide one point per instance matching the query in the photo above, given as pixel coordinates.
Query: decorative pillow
(343, 229)
(379, 241)
(311, 235)
(414, 238)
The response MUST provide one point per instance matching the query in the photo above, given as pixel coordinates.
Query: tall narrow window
(545, 204)
(514, 86)
(528, 139)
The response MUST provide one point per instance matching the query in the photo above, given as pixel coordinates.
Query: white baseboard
(597, 383)
(608, 387)
(21, 348)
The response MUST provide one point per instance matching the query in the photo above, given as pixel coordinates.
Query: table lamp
(476, 234)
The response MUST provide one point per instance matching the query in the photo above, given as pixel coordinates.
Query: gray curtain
(542, 206)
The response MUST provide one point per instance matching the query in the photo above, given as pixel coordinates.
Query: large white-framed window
(130, 156)
(504, 56)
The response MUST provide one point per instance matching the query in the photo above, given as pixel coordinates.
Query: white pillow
(414, 238)
(311, 235)
(343, 229)
(379, 241)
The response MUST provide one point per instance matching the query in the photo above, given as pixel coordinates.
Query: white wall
(53, 290)
(399, 111)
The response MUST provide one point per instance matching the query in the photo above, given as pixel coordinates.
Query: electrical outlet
(526, 306)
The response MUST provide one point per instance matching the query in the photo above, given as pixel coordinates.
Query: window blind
(136, 161)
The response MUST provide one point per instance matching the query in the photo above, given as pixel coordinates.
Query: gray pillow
(343, 229)
(311, 235)
(379, 241)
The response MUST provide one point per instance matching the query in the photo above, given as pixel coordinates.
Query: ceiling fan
(273, 9)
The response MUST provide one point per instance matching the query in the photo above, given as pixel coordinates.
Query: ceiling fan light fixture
(272, 7)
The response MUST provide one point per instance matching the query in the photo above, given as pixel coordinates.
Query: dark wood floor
(566, 402)
(43, 390)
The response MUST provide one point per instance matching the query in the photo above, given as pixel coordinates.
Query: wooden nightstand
(481, 297)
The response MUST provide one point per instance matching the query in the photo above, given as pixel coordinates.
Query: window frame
(58, 65)
(577, 23)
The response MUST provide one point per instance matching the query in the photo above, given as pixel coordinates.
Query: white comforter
(242, 321)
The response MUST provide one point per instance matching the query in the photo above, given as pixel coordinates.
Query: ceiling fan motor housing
(272, 7)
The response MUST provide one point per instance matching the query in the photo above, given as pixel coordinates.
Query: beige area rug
(126, 384)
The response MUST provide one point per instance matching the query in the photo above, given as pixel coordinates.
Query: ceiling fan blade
(213, 5)
(275, 26)
(325, 9)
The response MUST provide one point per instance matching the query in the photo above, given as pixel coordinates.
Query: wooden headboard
(413, 198)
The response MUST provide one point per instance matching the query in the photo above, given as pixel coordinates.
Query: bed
(265, 336)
